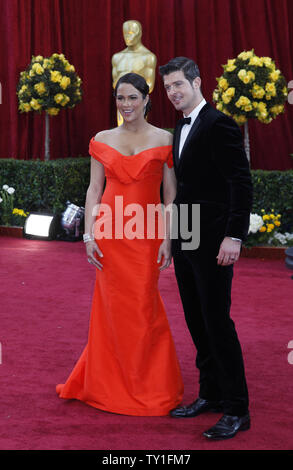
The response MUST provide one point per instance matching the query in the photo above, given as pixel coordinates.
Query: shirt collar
(195, 112)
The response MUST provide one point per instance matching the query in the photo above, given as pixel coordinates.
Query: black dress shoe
(227, 427)
(196, 408)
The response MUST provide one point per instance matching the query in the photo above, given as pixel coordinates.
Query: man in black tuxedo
(212, 170)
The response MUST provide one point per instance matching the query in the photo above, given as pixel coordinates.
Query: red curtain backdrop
(89, 32)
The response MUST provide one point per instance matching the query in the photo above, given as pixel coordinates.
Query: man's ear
(197, 83)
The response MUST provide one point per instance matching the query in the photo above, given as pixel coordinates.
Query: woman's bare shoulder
(104, 136)
(163, 135)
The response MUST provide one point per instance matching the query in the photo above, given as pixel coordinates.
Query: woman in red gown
(129, 365)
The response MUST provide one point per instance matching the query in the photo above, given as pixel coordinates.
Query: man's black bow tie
(185, 121)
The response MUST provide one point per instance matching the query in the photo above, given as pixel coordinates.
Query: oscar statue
(135, 58)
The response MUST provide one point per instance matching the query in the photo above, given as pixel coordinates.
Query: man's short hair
(187, 66)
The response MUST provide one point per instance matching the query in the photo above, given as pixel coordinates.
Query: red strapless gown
(129, 365)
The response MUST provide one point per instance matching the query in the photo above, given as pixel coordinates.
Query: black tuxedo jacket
(213, 171)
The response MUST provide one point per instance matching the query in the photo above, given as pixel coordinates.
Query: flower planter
(11, 231)
(264, 252)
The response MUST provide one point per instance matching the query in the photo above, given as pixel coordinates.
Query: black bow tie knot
(185, 121)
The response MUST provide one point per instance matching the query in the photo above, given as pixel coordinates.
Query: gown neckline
(135, 154)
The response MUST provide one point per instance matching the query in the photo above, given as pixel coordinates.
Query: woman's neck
(137, 126)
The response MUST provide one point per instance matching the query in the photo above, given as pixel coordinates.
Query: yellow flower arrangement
(37, 68)
(245, 55)
(263, 229)
(18, 217)
(245, 76)
(257, 61)
(251, 87)
(55, 76)
(45, 79)
(230, 65)
(65, 82)
(53, 111)
(40, 87)
(35, 104)
(275, 75)
(228, 95)
(61, 99)
(270, 221)
(223, 83)
(257, 91)
(19, 212)
(242, 102)
(25, 107)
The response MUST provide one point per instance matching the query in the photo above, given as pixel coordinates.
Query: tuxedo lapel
(176, 144)
(177, 134)
(192, 133)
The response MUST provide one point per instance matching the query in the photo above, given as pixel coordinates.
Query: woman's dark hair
(187, 66)
(139, 83)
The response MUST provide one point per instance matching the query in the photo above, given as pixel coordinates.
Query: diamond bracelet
(87, 238)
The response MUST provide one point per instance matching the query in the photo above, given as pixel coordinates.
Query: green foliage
(274, 190)
(41, 185)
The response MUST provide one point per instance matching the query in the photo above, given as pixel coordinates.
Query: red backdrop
(89, 32)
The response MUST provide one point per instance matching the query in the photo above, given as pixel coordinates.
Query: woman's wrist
(88, 237)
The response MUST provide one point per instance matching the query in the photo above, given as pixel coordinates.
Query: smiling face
(184, 96)
(130, 102)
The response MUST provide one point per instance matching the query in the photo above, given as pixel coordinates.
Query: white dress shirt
(186, 128)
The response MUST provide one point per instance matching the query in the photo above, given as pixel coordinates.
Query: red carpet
(46, 294)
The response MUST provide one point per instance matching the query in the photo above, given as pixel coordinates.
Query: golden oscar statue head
(135, 58)
(132, 32)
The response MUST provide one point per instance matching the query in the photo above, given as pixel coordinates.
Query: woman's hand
(165, 252)
(91, 250)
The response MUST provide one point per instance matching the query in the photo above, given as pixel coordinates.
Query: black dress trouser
(205, 290)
